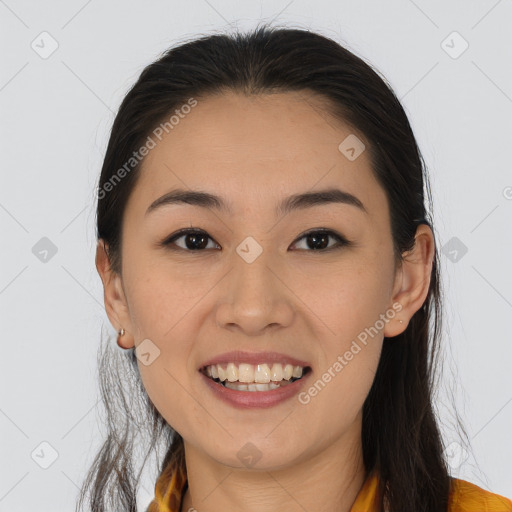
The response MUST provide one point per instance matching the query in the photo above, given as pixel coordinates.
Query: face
(254, 279)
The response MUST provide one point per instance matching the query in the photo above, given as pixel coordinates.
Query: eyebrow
(293, 202)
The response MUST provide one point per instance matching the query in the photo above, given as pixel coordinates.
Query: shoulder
(468, 497)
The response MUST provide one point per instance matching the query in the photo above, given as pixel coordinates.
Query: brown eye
(193, 240)
(318, 240)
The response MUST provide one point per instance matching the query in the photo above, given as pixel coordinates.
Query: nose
(255, 298)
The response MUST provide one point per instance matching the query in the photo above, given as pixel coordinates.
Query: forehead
(257, 147)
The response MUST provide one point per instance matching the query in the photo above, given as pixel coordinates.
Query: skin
(292, 299)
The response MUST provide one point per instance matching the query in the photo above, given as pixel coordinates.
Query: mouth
(254, 377)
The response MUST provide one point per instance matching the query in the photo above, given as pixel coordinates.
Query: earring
(120, 333)
(401, 321)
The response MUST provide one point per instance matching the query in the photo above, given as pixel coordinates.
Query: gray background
(56, 112)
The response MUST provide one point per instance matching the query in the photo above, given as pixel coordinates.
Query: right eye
(193, 239)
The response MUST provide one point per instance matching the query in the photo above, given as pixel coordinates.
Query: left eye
(319, 240)
(197, 240)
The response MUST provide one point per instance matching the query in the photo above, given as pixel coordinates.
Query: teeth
(297, 372)
(257, 374)
(277, 372)
(252, 387)
(262, 373)
(232, 372)
(246, 373)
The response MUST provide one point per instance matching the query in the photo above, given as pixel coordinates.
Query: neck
(329, 480)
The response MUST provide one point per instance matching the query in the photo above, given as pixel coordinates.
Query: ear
(412, 280)
(115, 301)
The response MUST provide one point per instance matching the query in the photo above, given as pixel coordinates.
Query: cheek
(160, 309)
(356, 295)
(353, 307)
(160, 296)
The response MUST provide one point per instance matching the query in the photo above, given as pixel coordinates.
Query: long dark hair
(400, 435)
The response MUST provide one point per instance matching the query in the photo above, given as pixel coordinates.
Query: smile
(254, 377)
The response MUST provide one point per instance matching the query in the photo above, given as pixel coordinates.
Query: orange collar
(464, 496)
(170, 486)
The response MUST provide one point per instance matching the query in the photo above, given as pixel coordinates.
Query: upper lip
(239, 357)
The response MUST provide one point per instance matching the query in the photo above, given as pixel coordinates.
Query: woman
(271, 267)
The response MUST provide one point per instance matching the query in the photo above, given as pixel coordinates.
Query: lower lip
(253, 399)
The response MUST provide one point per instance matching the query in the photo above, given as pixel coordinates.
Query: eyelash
(341, 241)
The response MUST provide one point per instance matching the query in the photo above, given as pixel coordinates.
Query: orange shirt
(464, 496)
